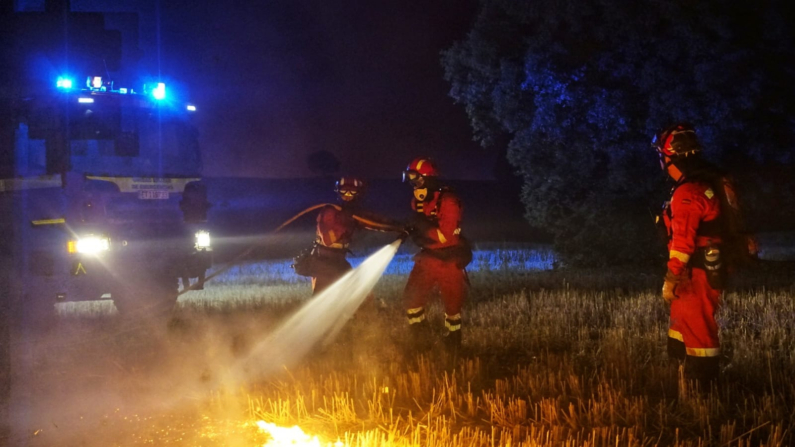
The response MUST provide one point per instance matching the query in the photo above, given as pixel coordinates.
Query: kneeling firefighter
(336, 225)
(703, 225)
(445, 253)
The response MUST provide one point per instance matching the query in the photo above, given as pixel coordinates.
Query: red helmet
(349, 187)
(677, 140)
(420, 167)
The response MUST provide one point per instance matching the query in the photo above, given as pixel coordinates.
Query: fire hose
(238, 259)
(242, 256)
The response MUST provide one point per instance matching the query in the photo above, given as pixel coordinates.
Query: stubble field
(550, 357)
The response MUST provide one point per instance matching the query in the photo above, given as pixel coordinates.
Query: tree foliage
(579, 88)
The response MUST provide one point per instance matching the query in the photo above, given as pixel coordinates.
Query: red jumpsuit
(335, 229)
(441, 217)
(693, 332)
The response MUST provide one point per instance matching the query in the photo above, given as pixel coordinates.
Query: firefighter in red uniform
(695, 227)
(335, 228)
(444, 253)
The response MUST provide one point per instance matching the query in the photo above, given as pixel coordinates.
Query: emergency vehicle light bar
(159, 92)
(99, 84)
(64, 83)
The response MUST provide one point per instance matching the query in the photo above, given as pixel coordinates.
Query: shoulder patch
(709, 193)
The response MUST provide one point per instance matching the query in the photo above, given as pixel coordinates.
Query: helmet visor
(410, 175)
(348, 191)
(413, 177)
(348, 194)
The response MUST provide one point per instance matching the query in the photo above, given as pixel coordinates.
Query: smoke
(93, 380)
(318, 321)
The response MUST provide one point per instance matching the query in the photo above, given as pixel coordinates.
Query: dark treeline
(577, 89)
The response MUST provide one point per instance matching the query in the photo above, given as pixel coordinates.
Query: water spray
(317, 321)
(239, 258)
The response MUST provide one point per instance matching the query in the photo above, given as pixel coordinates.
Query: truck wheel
(36, 308)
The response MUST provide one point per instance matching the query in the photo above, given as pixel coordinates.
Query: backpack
(739, 248)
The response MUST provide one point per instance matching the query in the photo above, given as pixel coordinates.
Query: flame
(292, 436)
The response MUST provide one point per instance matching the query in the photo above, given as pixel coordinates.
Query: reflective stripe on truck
(25, 183)
(135, 184)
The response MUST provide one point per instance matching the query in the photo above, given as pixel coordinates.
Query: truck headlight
(203, 240)
(89, 245)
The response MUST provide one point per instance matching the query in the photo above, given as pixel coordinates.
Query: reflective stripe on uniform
(452, 322)
(416, 315)
(442, 239)
(703, 352)
(676, 335)
(695, 352)
(684, 257)
(452, 327)
(336, 247)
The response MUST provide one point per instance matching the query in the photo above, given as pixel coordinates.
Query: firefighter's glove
(669, 287)
(420, 239)
(405, 233)
(418, 228)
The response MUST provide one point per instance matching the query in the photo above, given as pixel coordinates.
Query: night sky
(277, 80)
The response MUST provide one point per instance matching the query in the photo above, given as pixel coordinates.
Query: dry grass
(550, 358)
(552, 368)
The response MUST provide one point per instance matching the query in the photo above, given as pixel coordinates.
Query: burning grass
(550, 358)
(551, 368)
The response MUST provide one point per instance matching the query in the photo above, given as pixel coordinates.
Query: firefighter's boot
(703, 370)
(185, 283)
(452, 346)
(419, 338)
(452, 342)
(200, 282)
(676, 351)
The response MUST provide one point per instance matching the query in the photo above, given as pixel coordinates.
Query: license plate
(153, 195)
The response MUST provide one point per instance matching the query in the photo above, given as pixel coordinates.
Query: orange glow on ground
(292, 436)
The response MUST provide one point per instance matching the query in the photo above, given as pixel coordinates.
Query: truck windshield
(110, 136)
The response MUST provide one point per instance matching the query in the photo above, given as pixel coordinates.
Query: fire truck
(100, 184)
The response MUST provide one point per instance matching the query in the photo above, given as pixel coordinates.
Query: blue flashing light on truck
(100, 187)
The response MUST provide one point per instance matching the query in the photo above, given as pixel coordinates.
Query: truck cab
(104, 185)
(100, 169)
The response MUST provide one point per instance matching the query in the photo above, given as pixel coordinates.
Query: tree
(323, 163)
(578, 88)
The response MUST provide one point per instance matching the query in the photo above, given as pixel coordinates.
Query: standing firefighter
(444, 253)
(336, 225)
(702, 223)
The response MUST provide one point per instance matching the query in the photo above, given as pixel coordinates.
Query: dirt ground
(103, 381)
